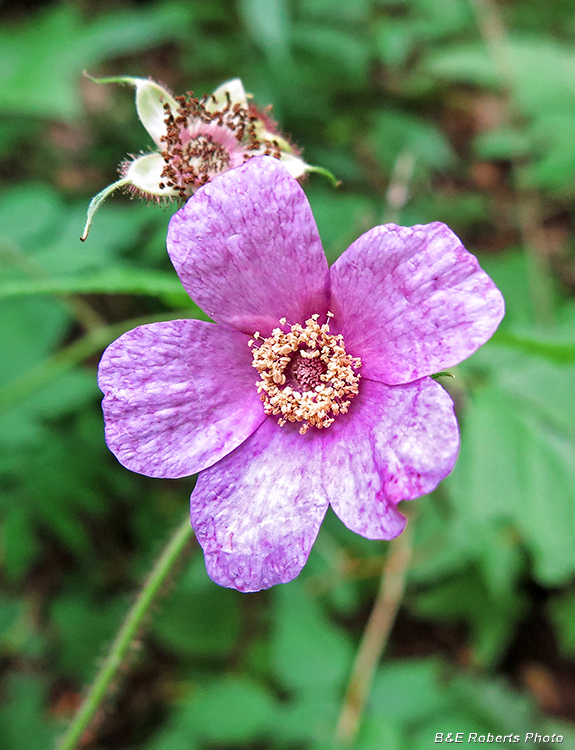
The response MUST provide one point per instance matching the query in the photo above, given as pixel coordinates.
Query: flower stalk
(375, 637)
(122, 644)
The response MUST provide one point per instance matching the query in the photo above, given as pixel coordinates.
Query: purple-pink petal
(396, 443)
(411, 301)
(257, 512)
(178, 396)
(247, 250)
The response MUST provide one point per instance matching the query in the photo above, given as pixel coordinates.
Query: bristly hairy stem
(375, 637)
(125, 637)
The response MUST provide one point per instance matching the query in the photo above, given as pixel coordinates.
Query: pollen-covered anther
(306, 375)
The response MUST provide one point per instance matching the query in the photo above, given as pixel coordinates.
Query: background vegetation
(426, 110)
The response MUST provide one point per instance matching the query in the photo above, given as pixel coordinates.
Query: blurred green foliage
(467, 114)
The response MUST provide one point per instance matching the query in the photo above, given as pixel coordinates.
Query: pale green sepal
(235, 90)
(150, 100)
(444, 374)
(97, 201)
(297, 167)
(294, 165)
(145, 174)
(326, 173)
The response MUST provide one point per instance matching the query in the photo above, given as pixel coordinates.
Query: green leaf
(10, 613)
(341, 11)
(517, 462)
(22, 726)
(267, 22)
(29, 214)
(562, 611)
(21, 420)
(394, 132)
(61, 45)
(395, 40)
(494, 704)
(537, 343)
(116, 280)
(511, 274)
(344, 47)
(20, 545)
(198, 618)
(340, 218)
(465, 598)
(311, 657)
(552, 137)
(28, 330)
(408, 691)
(542, 70)
(71, 614)
(424, 696)
(230, 711)
(502, 144)
(378, 732)
(309, 653)
(60, 495)
(39, 234)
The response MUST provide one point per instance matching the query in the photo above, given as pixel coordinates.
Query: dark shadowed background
(426, 110)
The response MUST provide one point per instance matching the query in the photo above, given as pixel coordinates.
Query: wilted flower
(312, 388)
(196, 140)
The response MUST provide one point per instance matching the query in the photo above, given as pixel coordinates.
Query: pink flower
(313, 386)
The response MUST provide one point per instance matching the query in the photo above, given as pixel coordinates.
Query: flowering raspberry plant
(196, 140)
(313, 385)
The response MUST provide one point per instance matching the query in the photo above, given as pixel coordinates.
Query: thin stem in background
(375, 637)
(83, 313)
(100, 688)
(397, 193)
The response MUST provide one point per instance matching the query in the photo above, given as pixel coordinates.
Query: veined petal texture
(178, 396)
(247, 250)
(257, 512)
(396, 443)
(411, 301)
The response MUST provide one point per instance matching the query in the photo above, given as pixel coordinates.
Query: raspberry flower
(196, 140)
(313, 385)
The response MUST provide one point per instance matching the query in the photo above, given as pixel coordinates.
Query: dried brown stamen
(201, 139)
(306, 374)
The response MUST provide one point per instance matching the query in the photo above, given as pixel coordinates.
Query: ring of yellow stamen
(306, 375)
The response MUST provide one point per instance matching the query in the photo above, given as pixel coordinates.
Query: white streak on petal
(257, 512)
(396, 443)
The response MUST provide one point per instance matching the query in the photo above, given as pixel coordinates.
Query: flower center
(203, 141)
(213, 154)
(306, 375)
